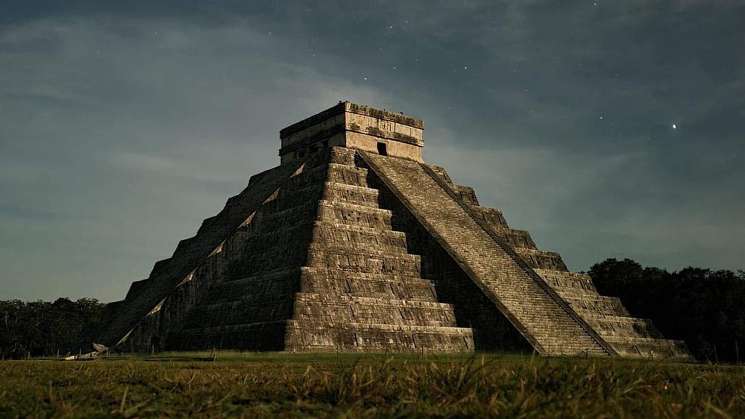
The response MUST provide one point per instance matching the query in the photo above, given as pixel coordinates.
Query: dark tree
(42, 328)
(703, 307)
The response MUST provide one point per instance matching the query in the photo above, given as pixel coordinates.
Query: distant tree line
(43, 328)
(705, 308)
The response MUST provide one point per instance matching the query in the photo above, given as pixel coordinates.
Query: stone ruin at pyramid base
(354, 243)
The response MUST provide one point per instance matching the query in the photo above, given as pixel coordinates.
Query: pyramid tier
(518, 238)
(393, 286)
(281, 215)
(640, 347)
(273, 250)
(266, 286)
(332, 182)
(332, 237)
(332, 173)
(569, 281)
(309, 280)
(491, 216)
(343, 309)
(365, 261)
(262, 252)
(312, 337)
(303, 336)
(629, 336)
(228, 313)
(331, 191)
(621, 326)
(353, 214)
(595, 304)
(352, 194)
(541, 259)
(275, 219)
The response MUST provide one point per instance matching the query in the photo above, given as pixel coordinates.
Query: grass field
(289, 385)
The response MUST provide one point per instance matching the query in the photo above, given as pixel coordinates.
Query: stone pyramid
(353, 243)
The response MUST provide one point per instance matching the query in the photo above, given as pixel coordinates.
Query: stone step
(518, 239)
(331, 172)
(620, 326)
(309, 176)
(303, 336)
(321, 230)
(349, 175)
(639, 347)
(594, 304)
(491, 216)
(269, 220)
(295, 197)
(325, 190)
(441, 172)
(365, 261)
(342, 237)
(359, 195)
(565, 280)
(278, 217)
(347, 213)
(287, 282)
(541, 259)
(366, 284)
(342, 155)
(312, 337)
(342, 309)
(578, 349)
(467, 194)
(325, 308)
(308, 185)
(264, 251)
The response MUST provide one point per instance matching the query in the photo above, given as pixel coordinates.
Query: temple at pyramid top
(353, 126)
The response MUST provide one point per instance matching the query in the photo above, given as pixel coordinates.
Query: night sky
(605, 128)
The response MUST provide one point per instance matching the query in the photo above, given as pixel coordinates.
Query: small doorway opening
(382, 150)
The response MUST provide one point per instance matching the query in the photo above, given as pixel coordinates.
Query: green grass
(296, 385)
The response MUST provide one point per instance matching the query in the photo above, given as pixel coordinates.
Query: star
(675, 126)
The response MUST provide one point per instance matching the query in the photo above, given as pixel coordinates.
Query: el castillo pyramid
(354, 243)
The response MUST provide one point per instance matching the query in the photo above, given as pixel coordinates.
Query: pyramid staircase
(628, 336)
